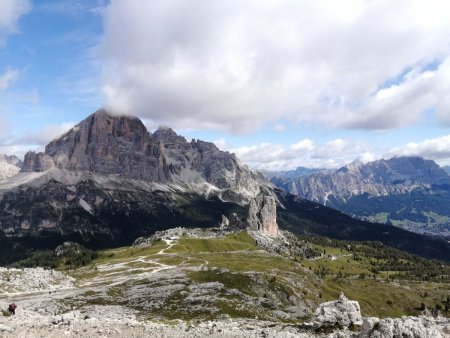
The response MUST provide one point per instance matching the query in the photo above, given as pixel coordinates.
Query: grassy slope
(237, 263)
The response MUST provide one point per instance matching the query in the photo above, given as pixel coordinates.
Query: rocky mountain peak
(168, 136)
(104, 144)
(107, 144)
(415, 169)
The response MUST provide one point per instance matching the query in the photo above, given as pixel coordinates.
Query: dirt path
(170, 242)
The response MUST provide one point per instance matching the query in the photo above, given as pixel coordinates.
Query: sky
(282, 83)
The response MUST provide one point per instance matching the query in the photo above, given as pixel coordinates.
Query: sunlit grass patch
(234, 242)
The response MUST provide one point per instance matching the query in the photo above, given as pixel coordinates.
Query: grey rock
(9, 166)
(342, 312)
(379, 178)
(37, 162)
(262, 215)
(109, 168)
(121, 145)
(368, 326)
(409, 327)
(367, 190)
(11, 159)
(225, 222)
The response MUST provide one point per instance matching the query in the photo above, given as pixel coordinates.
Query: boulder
(341, 312)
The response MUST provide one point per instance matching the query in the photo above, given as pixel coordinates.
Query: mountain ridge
(156, 182)
(121, 145)
(382, 187)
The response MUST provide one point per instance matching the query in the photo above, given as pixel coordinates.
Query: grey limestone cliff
(107, 144)
(262, 215)
(109, 175)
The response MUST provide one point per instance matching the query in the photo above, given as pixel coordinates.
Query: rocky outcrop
(232, 222)
(11, 159)
(405, 327)
(37, 162)
(9, 166)
(262, 215)
(341, 312)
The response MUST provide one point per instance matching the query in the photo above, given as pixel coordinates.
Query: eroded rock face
(406, 189)
(262, 215)
(342, 312)
(9, 166)
(37, 162)
(405, 327)
(107, 144)
(379, 178)
(109, 176)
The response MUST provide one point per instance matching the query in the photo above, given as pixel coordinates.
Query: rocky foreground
(39, 293)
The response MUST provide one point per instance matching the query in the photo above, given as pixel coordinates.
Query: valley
(181, 278)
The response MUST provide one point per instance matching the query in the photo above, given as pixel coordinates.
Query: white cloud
(7, 78)
(339, 148)
(237, 65)
(303, 145)
(221, 143)
(47, 134)
(336, 153)
(10, 13)
(279, 127)
(437, 149)
(305, 153)
(36, 140)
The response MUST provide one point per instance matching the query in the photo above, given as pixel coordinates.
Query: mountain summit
(110, 180)
(106, 144)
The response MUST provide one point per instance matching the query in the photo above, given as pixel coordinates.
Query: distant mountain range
(409, 192)
(108, 181)
(293, 174)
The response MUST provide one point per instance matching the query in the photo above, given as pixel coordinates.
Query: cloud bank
(35, 140)
(237, 65)
(437, 149)
(305, 153)
(334, 153)
(10, 13)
